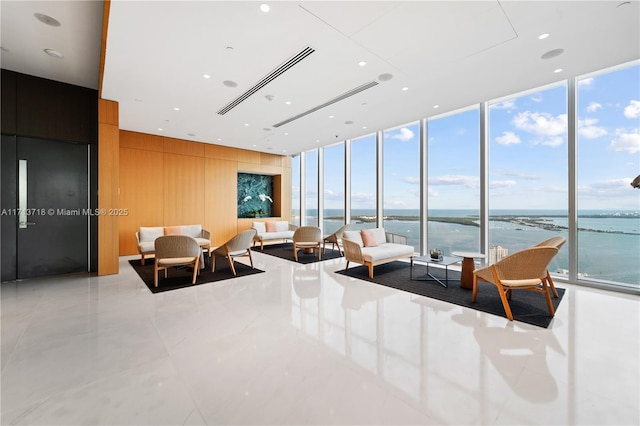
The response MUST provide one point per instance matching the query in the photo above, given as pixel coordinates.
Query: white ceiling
(448, 53)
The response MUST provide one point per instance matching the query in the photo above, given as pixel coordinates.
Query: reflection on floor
(302, 345)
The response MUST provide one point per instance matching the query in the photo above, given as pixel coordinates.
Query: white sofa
(147, 235)
(278, 230)
(376, 248)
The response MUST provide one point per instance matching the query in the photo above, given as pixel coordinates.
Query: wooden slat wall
(166, 181)
(108, 187)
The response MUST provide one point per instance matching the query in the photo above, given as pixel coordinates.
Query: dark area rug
(180, 277)
(526, 306)
(285, 251)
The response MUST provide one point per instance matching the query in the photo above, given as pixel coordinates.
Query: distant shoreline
(529, 220)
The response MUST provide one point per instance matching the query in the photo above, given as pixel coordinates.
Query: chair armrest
(352, 251)
(396, 238)
(206, 235)
(138, 238)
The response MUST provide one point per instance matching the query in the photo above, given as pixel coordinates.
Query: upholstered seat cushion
(386, 251)
(147, 247)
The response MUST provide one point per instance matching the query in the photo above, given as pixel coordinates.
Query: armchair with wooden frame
(523, 270)
(238, 246)
(176, 250)
(307, 238)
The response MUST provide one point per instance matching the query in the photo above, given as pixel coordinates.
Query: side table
(446, 261)
(468, 265)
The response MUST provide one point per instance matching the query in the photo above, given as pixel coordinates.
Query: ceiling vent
(345, 95)
(268, 79)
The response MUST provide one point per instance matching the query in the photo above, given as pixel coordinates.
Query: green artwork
(255, 195)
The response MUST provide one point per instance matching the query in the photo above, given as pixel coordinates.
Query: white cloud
(611, 184)
(510, 104)
(412, 180)
(468, 181)
(502, 184)
(593, 106)
(536, 97)
(626, 142)
(508, 138)
(632, 110)
(521, 176)
(589, 130)
(541, 123)
(404, 134)
(585, 82)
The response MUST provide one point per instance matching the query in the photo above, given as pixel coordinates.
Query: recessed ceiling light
(385, 77)
(436, 106)
(246, 124)
(286, 134)
(552, 54)
(219, 139)
(230, 83)
(265, 7)
(362, 63)
(176, 109)
(364, 127)
(54, 53)
(404, 89)
(160, 128)
(46, 19)
(317, 140)
(557, 70)
(206, 76)
(543, 36)
(288, 102)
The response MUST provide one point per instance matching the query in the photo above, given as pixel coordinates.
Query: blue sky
(528, 153)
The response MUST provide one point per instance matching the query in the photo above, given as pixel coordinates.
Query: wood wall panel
(190, 183)
(183, 186)
(108, 190)
(271, 159)
(220, 152)
(246, 156)
(141, 141)
(179, 146)
(221, 211)
(141, 192)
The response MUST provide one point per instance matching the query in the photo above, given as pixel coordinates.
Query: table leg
(466, 277)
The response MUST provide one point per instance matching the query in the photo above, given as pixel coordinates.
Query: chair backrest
(308, 234)
(340, 231)
(171, 246)
(241, 241)
(531, 262)
(556, 242)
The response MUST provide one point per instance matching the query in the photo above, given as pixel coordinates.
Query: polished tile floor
(302, 345)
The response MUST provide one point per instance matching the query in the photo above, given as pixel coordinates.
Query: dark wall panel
(53, 110)
(8, 91)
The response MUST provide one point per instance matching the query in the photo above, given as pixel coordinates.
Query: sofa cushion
(194, 231)
(147, 246)
(386, 251)
(381, 236)
(150, 233)
(275, 235)
(369, 237)
(353, 236)
(282, 225)
(259, 227)
(271, 226)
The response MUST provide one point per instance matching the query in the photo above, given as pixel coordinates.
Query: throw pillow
(369, 237)
(173, 230)
(271, 226)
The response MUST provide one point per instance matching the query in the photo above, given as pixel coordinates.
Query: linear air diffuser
(267, 79)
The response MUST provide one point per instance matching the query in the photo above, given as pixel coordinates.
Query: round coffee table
(468, 265)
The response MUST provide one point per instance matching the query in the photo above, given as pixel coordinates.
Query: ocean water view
(608, 241)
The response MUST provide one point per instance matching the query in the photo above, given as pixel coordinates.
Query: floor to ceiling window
(528, 173)
(453, 144)
(401, 182)
(363, 182)
(295, 190)
(608, 160)
(333, 178)
(311, 188)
